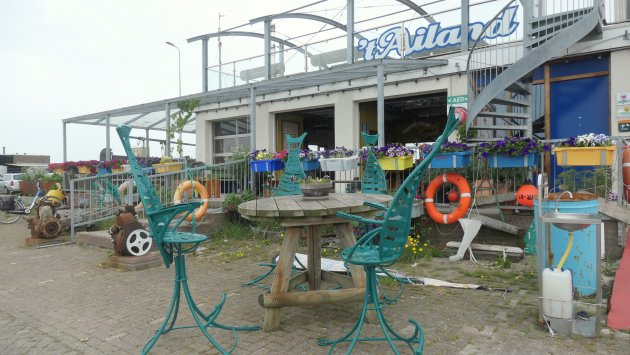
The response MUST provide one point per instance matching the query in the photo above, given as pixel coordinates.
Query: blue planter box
(451, 160)
(266, 165)
(508, 161)
(103, 171)
(310, 164)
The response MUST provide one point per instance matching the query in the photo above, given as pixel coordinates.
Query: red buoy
(526, 194)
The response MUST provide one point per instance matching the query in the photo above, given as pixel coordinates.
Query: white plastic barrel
(557, 293)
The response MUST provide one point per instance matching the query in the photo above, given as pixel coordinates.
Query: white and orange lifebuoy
(465, 198)
(203, 193)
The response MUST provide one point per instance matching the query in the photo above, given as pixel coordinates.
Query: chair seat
(183, 237)
(368, 255)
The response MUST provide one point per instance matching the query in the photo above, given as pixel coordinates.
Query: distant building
(16, 163)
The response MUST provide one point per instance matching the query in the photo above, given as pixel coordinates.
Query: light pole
(179, 65)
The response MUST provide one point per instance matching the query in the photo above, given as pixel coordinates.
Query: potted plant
(309, 159)
(394, 156)
(452, 155)
(315, 187)
(166, 165)
(56, 168)
(338, 159)
(231, 202)
(585, 150)
(512, 152)
(87, 166)
(263, 160)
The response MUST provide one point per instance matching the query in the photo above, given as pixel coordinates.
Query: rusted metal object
(47, 223)
(129, 236)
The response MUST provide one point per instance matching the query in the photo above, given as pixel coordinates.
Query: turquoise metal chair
(373, 181)
(173, 246)
(289, 184)
(381, 247)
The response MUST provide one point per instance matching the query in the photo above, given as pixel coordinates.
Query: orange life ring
(185, 186)
(465, 198)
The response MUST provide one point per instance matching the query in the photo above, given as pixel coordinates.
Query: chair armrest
(173, 210)
(358, 218)
(376, 205)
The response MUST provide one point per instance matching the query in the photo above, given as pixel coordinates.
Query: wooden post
(283, 274)
(314, 254)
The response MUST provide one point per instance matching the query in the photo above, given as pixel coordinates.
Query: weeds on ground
(418, 246)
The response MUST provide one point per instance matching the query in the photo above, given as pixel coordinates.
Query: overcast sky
(65, 58)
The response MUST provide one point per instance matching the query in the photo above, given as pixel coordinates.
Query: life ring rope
(465, 198)
(195, 185)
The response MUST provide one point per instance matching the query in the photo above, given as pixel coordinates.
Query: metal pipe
(350, 32)
(380, 104)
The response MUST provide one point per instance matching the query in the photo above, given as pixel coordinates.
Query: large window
(229, 137)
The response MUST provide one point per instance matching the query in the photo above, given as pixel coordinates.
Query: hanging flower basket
(584, 156)
(451, 160)
(509, 161)
(266, 165)
(339, 164)
(396, 163)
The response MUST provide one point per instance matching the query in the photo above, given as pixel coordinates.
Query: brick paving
(62, 300)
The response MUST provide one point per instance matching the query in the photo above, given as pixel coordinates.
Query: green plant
(180, 120)
(53, 178)
(232, 200)
(167, 159)
(503, 262)
(34, 174)
(512, 146)
(315, 180)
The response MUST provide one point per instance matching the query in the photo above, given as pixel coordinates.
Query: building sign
(434, 36)
(624, 126)
(623, 98)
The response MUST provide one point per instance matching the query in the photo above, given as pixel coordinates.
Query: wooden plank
(288, 207)
(513, 251)
(272, 301)
(497, 225)
(298, 279)
(615, 211)
(492, 199)
(282, 275)
(343, 280)
(312, 207)
(314, 258)
(264, 207)
(351, 202)
(332, 205)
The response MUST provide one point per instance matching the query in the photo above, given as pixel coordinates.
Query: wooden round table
(294, 213)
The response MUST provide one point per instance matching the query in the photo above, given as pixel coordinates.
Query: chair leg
(371, 302)
(202, 320)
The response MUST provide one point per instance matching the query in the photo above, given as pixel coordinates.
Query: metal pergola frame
(155, 116)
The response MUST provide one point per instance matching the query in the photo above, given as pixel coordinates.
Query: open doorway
(319, 123)
(409, 119)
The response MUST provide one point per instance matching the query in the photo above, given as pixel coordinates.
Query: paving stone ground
(62, 300)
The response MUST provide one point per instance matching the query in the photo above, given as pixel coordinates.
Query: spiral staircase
(500, 70)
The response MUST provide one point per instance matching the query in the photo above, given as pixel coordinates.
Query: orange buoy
(626, 172)
(187, 185)
(464, 200)
(452, 196)
(526, 194)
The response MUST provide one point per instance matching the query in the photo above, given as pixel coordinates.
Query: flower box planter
(584, 156)
(310, 164)
(266, 165)
(59, 171)
(103, 171)
(119, 170)
(83, 169)
(339, 164)
(508, 161)
(451, 160)
(316, 190)
(167, 167)
(396, 163)
(417, 210)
